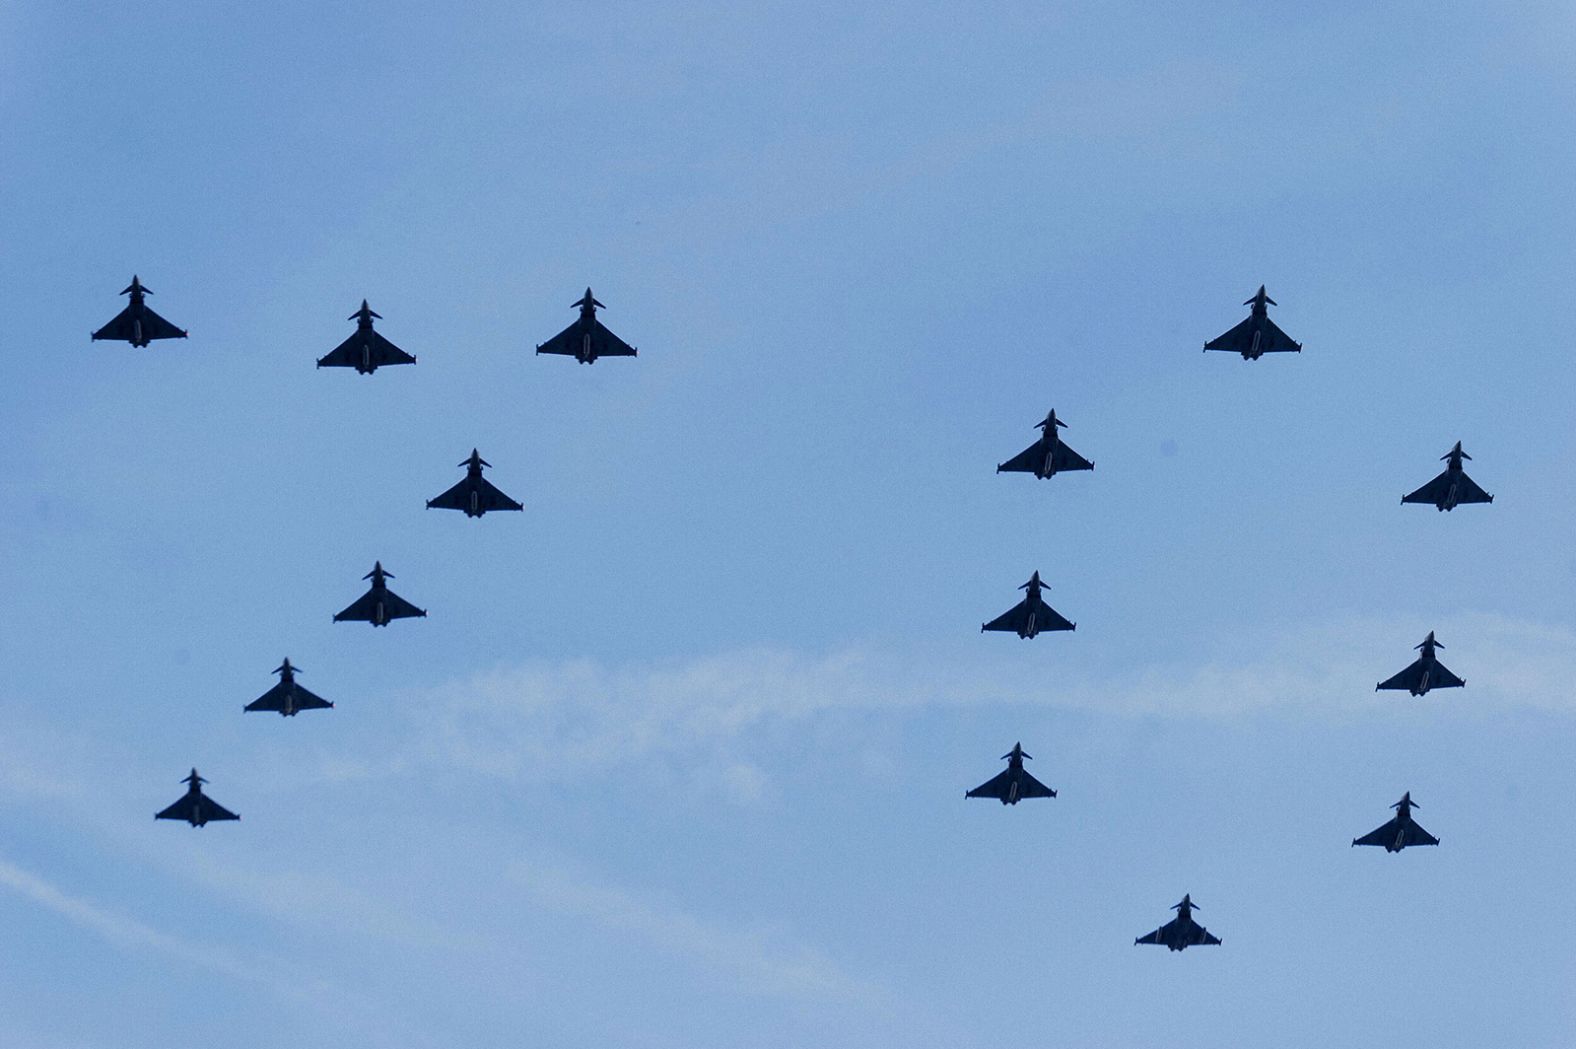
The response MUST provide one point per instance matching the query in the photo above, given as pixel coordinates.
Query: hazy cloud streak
(545, 721)
(127, 932)
(766, 959)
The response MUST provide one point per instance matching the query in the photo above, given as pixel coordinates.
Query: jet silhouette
(1451, 488)
(1031, 615)
(475, 495)
(196, 807)
(366, 350)
(587, 338)
(1181, 932)
(1257, 335)
(1399, 832)
(137, 324)
(1426, 672)
(287, 697)
(380, 604)
(1012, 784)
(1046, 456)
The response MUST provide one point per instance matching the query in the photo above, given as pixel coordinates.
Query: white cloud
(743, 782)
(41, 765)
(698, 721)
(547, 721)
(128, 932)
(1517, 664)
(766, 959)
(68, 776)
(348, 1010)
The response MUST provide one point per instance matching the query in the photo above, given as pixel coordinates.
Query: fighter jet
(1451, 488)
(380, 604)
(196, 807)
(475, 495)
(1257, 335)
(1399, 832)
(1425, 673)
(287, 697)
(587, 338)
(1046, 456)
(1181, 932)
(1031, 615)
(1012, 784)
(136, 323)
(366, 350)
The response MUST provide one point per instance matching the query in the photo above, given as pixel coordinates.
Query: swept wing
(587, 339)
(364, 351)
(1022, 618)
(488, 497)
(139, 325)
(291, 695)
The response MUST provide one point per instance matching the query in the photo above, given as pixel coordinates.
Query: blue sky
(678, 757)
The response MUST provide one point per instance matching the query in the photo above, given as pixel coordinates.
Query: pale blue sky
(677, 759)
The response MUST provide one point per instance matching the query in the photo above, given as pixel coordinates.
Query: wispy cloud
(1516, 663)
(128, 932)
(39, 764)
(545, 721)
(347, 1009)
(765, 959)
(73, 774)
(701, 719)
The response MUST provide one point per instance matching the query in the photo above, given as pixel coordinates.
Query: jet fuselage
(1452, 497)
(1031, 625)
